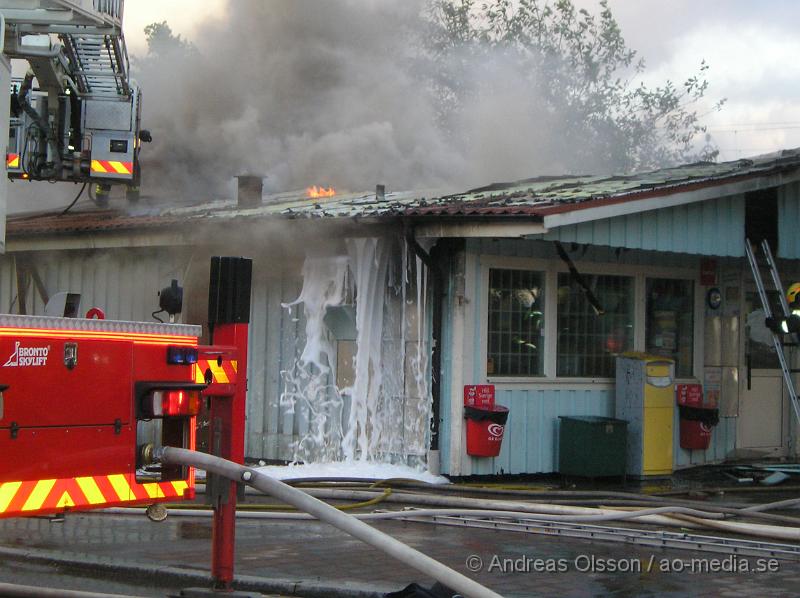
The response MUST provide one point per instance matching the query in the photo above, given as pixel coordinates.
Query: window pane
(760, 346)
(670, 322)
(516, 320)
(588, 343)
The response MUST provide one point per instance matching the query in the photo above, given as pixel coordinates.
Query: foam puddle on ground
(350, 470)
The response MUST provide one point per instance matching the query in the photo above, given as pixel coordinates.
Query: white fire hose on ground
(324, 512)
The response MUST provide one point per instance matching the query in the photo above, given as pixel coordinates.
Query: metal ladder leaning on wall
(777, 338)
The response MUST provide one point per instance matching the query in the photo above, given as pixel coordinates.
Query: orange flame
(320, 191)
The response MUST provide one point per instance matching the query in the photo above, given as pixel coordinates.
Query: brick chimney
(248, 190)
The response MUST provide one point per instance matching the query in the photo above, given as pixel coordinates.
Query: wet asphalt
(133, 555)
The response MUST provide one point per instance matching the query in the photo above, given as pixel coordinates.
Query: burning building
(372, 311)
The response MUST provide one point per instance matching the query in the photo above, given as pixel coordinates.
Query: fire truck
(84, 401)
(79, 398)
(72, 393)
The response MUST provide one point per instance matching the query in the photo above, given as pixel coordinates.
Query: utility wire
(728, 129)
(762, 123)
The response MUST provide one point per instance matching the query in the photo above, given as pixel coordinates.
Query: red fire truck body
(72, 395)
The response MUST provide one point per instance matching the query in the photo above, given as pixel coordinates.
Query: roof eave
(469, 228)
(655, 199)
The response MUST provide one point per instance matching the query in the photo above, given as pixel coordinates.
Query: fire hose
(324, 512)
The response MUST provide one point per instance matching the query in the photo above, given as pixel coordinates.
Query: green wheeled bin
(592, 446)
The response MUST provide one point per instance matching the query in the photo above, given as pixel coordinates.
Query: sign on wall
(479, 395)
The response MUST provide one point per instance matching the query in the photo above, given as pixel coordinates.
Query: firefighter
(102, 191)
(793, 297)
(792, 323)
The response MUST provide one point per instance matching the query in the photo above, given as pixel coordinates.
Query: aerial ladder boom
(76, 114)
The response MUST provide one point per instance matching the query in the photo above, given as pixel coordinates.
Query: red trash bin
(696, 424)
(695, 435)
(485, 428)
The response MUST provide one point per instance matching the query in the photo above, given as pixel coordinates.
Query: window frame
(631, 280)
(544, 302)
(698, 321)
(551, 268)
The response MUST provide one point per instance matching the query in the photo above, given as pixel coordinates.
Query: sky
(751, 48)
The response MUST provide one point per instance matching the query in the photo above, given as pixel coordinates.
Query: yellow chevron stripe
(91, 490)
(121, 486)
(39, 494)
(119, 167)
(7, 493)
(65, 501)
(199, 374)
(14, 162)
(180, 487)
(219, 374)
(235, 365)
(153, 490)
(97, 166)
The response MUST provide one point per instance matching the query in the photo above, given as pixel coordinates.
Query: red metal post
(228, 317)
(228, 413)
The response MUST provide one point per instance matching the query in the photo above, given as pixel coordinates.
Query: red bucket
(485, 429)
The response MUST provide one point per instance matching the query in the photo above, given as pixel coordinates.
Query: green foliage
(583, 73)
(162, 42)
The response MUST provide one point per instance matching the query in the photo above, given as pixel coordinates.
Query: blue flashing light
(182, 355)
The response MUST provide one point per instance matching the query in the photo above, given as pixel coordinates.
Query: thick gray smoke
(352, 93)
(328, 93)
(303, 91)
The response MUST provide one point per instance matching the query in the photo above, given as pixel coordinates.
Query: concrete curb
(177, 576)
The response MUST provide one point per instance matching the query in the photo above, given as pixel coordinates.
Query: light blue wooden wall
(598, 254)
(723, 442)
(530, 444)
(713, 227)
(531, 437)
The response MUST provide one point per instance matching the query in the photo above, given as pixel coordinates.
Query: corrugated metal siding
(123, 283)
(530, 443)
(788, 217)
(276, 339)
(714, 227)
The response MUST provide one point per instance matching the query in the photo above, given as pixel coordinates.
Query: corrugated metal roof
(535, 197)
(85, 222)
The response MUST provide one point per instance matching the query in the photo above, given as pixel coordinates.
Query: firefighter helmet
(793, 294)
